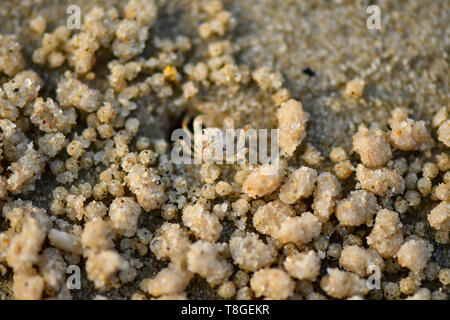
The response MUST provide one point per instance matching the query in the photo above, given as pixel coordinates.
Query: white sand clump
(49, 117)
(372, 146)
(204, 258)
(414, 254)
(17, 212)
(357, 209)
(168, 281)
(189, 90)
(300, 184)
(147, 186)
(133, 31)
(441, 192)
(101, 24)
(122, 73)
(28, 286)
(95, 210)
(444, 276)
(278, 220)
(38, 25)
(267, 80)
(81, 50)
(23, 88)
(97, 236)
(263, 180)
(407, 134)
(381, 181)
(342, 284)
(272, 284)
(250, 252)
(226, 290)
(219, 20)
(124, 213)
(360, 260)
(52, 47)
(328, 191)
(421, 294)
(75, 207)
(26, 171)
(73, 93)
(386, 236)
(202, 223)
(23, 252)
(51, 144)
(444, 133)
(11, 58)
(292, 125)
(15, 142)
(170, 241)
(303, 265)
(8, 111)
(101, 268)
(355, 88)
(300, 230)
(439, 217)
(269, 218)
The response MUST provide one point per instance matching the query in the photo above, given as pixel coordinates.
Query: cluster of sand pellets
(139, 226)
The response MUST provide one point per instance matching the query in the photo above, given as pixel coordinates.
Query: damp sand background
(317, 46)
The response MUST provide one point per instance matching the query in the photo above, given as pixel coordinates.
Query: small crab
(210, 144)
